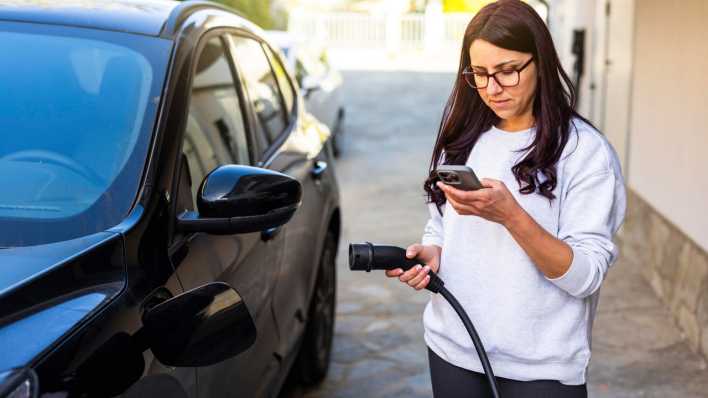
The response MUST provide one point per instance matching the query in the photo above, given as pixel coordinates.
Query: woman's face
(507, 102)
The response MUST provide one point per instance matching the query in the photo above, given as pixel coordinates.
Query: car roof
(147, 17)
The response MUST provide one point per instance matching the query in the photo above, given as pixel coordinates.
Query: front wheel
(313, 360)
(337, 133)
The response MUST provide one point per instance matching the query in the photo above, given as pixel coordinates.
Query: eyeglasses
(504, 78)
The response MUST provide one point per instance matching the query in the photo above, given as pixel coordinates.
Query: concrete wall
(673, 264)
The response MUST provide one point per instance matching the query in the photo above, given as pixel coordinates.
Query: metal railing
(393, 32)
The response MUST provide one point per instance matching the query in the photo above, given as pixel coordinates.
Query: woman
(526, 254)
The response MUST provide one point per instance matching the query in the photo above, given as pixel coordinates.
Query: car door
(216, 133)
(295, 150)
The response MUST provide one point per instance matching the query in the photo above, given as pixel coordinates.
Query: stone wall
(675, 266)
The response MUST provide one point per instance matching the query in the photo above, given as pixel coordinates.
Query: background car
(320, 82)
(170, 213)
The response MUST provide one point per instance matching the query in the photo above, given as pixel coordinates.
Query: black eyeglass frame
(467, 72)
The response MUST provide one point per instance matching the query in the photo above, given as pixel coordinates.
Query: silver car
(320, 83)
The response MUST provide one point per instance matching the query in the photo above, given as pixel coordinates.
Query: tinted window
(77, 111)
(215, 132)
(281, 76)
(261, 85)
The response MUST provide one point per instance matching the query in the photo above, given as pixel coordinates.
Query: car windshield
(77, 108)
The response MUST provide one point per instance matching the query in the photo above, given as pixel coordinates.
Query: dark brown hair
(513, 25)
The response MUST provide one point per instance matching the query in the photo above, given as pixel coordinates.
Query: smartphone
(460, 177)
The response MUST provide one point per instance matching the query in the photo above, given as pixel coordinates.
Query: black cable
(475, 338)
(368, 257)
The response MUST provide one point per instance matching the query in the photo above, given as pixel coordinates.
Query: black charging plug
(367, 257)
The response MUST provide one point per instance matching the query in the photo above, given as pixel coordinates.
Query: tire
(336, 136)
(336, 150)
(313, 359)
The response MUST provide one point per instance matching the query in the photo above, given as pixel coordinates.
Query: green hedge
(257, 11)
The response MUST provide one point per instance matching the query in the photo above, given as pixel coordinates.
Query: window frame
(275, 57)
(222, 35)
(242, 98)
(271, 147)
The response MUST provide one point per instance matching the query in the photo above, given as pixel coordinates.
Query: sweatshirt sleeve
(592, 211)
(433, 231)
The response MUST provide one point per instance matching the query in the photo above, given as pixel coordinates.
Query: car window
(286, 89)
(215, 133)
(261, 85)
(77, 110)
(199, 154)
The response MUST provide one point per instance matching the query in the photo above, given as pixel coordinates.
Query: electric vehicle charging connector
(368, 257)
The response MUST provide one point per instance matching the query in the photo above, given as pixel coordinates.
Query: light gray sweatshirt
(532, 327)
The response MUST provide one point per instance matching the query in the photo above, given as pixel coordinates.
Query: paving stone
(349, 308)
(377, 325)
(372, 367)
(352, 323)
(382, 340)
(348, 349)
(407, 354)
(419, 384)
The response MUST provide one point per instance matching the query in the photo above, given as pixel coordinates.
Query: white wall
(565, 16)
(616, 76)
(605, 90)
(597, 57)
(646, 88)
(668, 148)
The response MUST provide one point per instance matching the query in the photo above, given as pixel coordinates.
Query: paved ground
(378, 347)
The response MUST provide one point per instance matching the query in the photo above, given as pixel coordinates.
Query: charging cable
(368, 257)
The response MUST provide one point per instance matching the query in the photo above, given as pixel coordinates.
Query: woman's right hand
(417, 276)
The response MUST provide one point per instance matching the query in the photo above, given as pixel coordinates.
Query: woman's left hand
(494, 202)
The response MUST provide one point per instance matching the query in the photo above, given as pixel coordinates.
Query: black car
(169, 212)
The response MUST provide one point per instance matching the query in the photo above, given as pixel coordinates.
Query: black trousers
(450, 381)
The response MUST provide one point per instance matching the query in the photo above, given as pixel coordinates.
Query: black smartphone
(460, 177)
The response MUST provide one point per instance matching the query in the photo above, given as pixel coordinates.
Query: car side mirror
(200, 327)
(241, 199)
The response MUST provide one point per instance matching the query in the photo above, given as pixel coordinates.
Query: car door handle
(318, 169)
(270, 234)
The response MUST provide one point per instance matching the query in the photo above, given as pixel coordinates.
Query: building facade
(642, 69)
